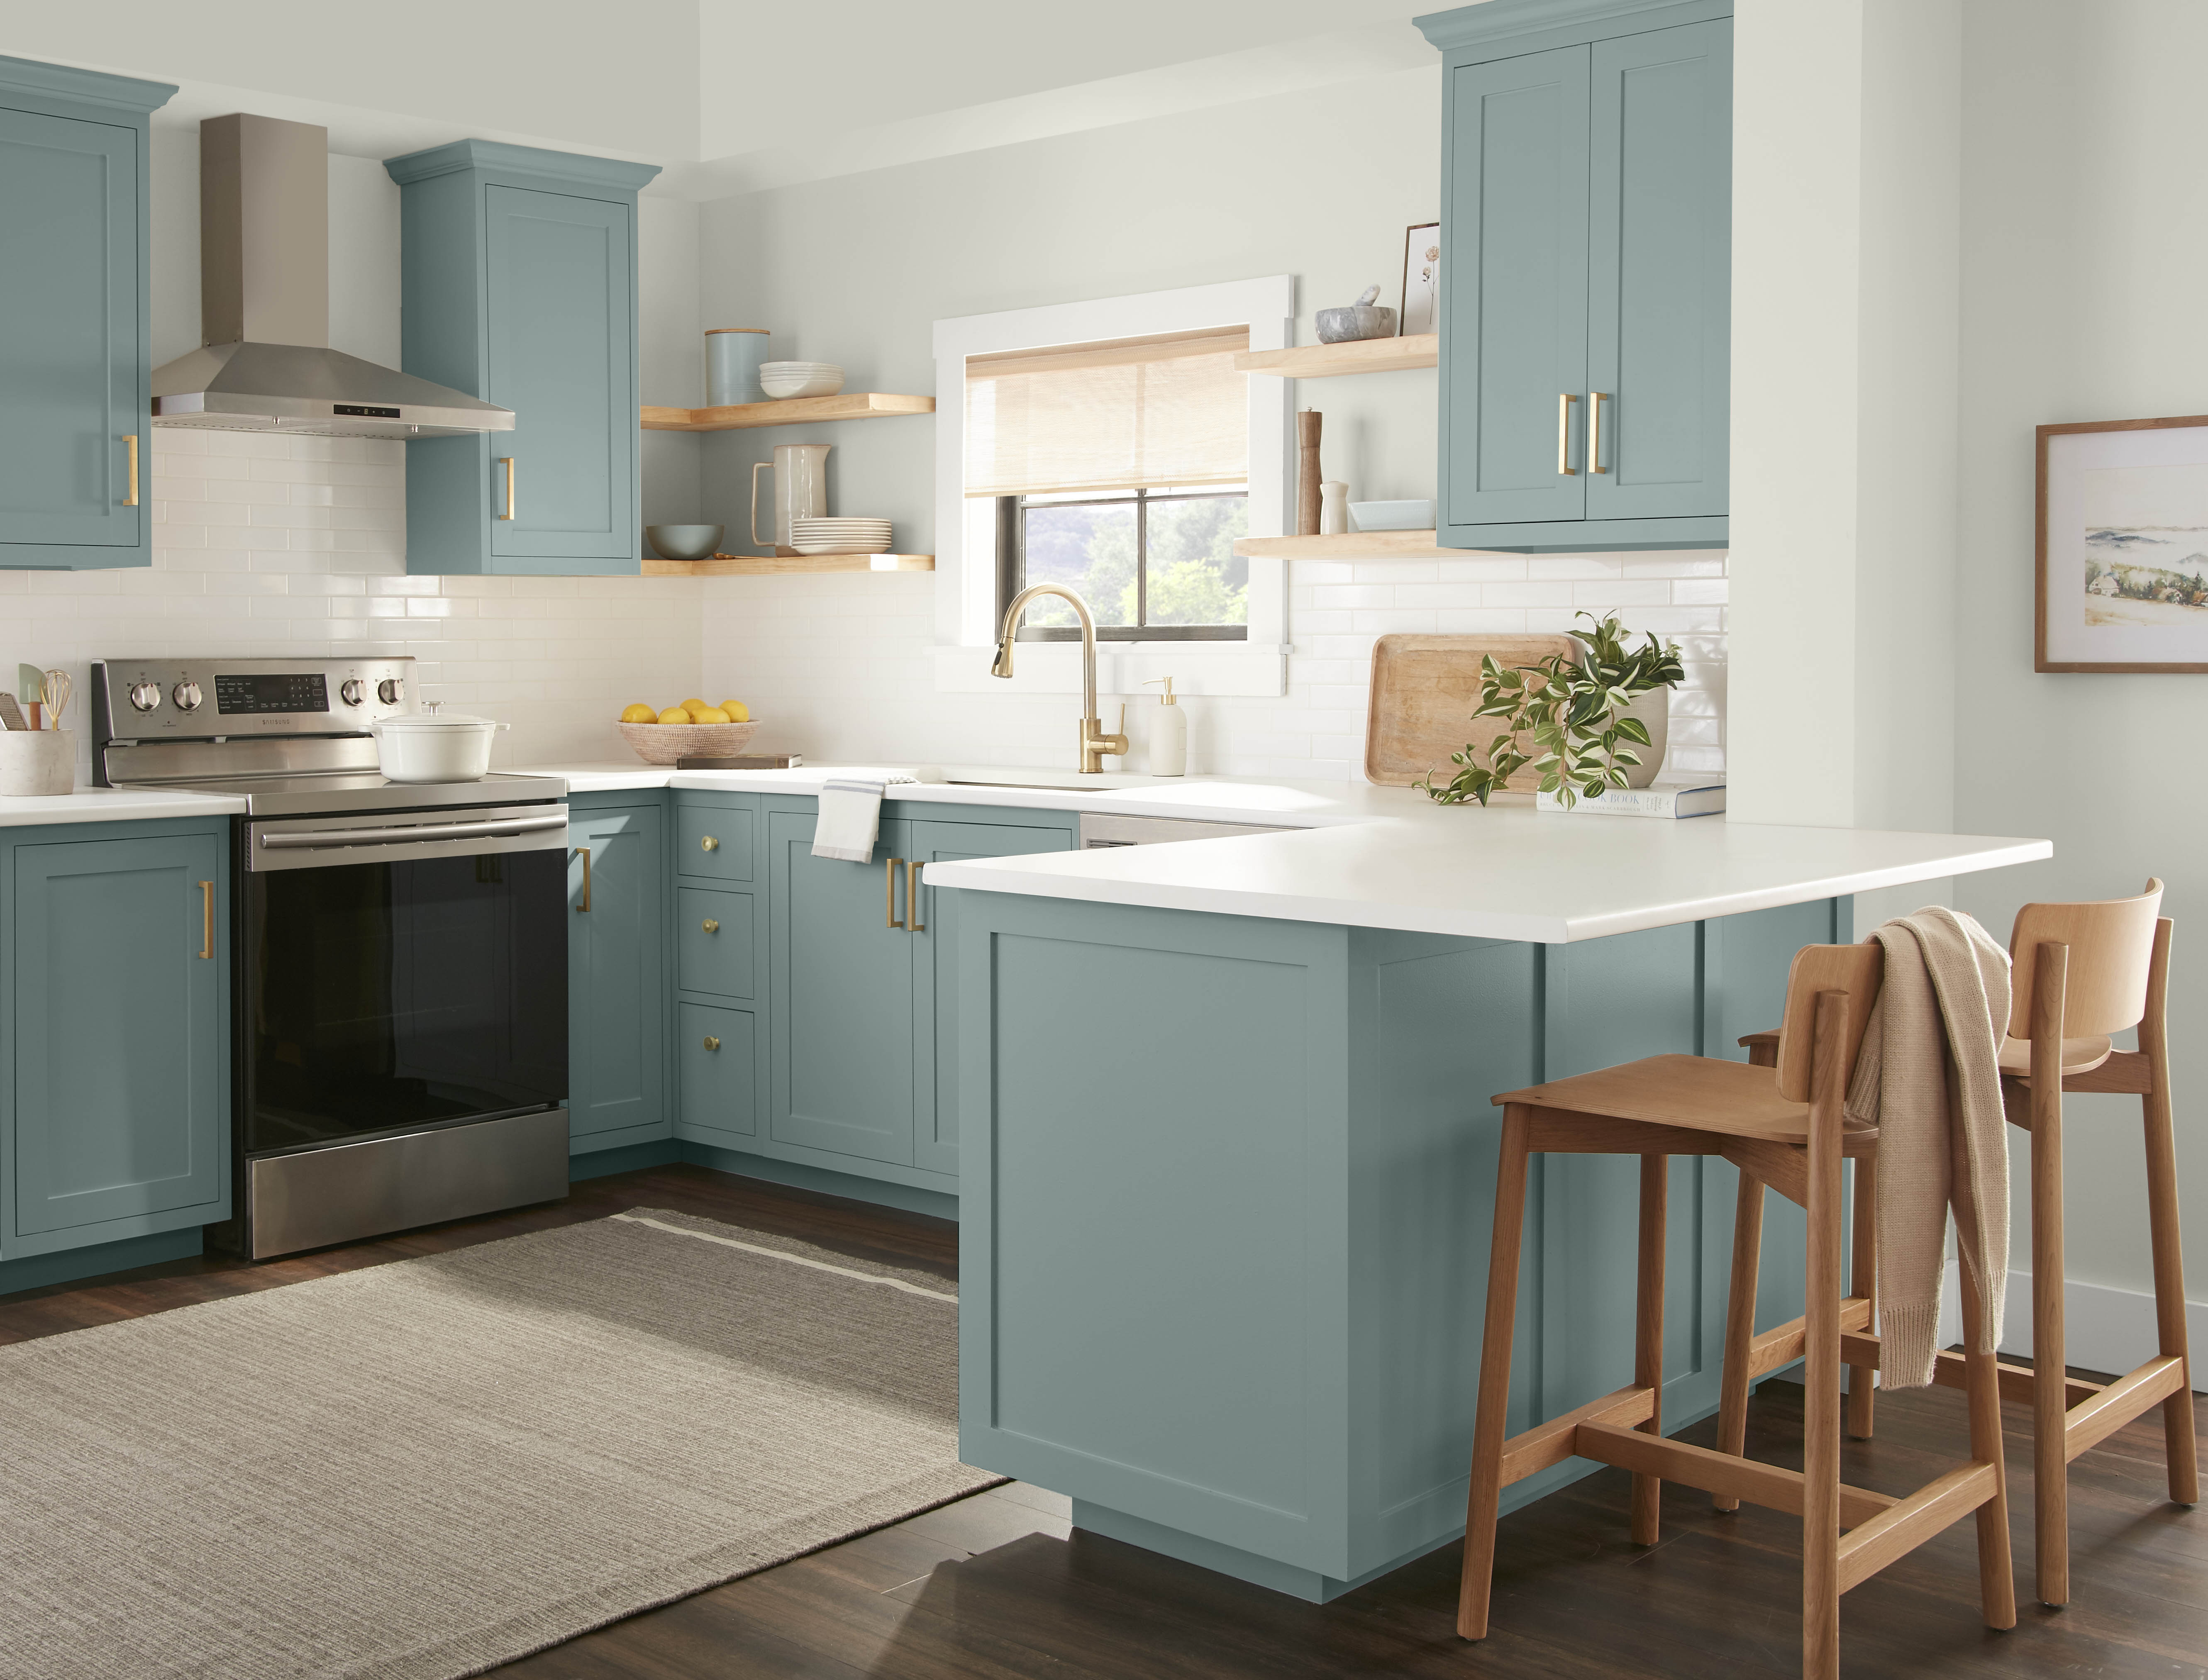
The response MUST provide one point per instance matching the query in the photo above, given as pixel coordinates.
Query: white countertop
(1388, 857)
(111, 805)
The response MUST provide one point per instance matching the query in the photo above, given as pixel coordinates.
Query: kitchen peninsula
(1228, 1154)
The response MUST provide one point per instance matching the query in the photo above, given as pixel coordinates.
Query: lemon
(712, 714)
(737, 711)
(693, 705)
(638, 714)
(675, 714)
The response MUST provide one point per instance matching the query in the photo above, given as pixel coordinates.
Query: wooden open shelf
(794, 411)
(1351, 545)
(1358, 356)
(760, 566)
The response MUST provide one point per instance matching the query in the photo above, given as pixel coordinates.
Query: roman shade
(1124, 414)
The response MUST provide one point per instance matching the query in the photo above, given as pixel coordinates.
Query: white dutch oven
(435, 746)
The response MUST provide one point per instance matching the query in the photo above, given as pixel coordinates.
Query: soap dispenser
(1169, 734)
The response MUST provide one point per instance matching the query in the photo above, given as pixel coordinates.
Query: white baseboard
(2105, 1329)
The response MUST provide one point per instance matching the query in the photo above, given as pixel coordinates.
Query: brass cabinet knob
(709, 845)
(711, 926)
(712, 1043)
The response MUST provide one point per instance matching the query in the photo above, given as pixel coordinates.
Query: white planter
(1653, 710)
(37, 761)
(434, 746)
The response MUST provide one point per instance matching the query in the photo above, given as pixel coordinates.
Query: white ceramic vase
(1653, 711)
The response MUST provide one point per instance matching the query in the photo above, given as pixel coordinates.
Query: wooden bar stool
(2079, 973)
(1786, 1125)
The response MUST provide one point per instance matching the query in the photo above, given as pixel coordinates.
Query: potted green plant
(1568, 718)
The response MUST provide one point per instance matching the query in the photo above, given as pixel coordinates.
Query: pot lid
(437, 720)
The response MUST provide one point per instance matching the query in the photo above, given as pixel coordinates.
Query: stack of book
(1702, 796)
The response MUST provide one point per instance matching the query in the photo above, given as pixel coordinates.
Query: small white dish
(841, 545)
(785, 380)
(1391, 515)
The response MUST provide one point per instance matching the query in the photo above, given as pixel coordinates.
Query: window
(1153, 564)
(1119, 468)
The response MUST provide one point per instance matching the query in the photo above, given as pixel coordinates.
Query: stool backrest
(1856, 969)
(2111, 949)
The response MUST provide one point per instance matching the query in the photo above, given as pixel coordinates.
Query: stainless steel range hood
(265, 306)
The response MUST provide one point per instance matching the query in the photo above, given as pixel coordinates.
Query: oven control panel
(209, 700)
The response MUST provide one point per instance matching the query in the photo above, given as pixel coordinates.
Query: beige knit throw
(1929, 1077)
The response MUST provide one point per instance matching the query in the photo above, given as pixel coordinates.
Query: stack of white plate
(781, 380)
(840, 537)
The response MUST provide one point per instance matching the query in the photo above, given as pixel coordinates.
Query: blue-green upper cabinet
(517, 270)
(1587, 251)
(75, 335)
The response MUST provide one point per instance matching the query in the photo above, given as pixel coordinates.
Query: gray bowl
(684, 542)
(1355, 321)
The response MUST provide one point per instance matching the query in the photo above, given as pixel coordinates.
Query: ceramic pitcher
(801, 490)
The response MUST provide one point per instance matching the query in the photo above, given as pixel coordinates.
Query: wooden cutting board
(1424, 690)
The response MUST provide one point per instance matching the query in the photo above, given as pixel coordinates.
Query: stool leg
(1648, 1337)
(1996, 1569)
(2178, 1441)
(1740, 1326)
(1863, 1282)
(1476, 1588)
(1820, 1422)
(2050, 1462)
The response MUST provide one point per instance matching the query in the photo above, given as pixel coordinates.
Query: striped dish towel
(851, 817)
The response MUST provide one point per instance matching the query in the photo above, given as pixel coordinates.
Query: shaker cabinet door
(71, 363)
(561, 328)
(840, 999)
(617, 1001)
(1658, 320)
(1514, 265)
(120, 1106)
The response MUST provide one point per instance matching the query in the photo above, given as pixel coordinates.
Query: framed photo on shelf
(2123, 546)
(1421, 311)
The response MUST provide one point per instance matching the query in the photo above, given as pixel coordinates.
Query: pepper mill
(1307, 473)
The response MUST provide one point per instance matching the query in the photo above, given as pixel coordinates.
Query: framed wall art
(1422, 280)
(2123, 546)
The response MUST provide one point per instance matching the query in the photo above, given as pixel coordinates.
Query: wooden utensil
(1308, 424)
(1424, 690)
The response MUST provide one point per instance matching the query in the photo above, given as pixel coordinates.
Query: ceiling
(728, 95)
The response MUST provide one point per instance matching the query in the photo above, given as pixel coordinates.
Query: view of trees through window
(1143, 559)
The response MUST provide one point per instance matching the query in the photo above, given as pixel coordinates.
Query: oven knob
(352, 691)
(187, 696)
(389, 690)
(145, 696)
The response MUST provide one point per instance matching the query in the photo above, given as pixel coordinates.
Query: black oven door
(400, 972)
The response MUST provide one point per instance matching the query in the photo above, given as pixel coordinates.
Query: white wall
(2085, 231)
(297, 545)
(857, 270)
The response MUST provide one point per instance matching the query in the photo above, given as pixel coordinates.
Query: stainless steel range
(398, 950)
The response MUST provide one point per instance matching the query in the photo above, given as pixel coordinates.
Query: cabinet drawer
(713, 942)
(714, 841)
(719, 1060)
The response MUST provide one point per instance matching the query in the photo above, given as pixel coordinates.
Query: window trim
(965, 532)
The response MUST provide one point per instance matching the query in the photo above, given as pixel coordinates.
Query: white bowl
(783, 380)
(1391, 515)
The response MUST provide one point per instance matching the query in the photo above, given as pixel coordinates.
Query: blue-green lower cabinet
(1226, 1292)
(118, 1104)
(617, 1019)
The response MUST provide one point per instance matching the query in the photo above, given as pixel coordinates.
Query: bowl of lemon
(693, 729)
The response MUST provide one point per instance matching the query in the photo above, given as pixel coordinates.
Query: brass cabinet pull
(583, 907)
(507, 461)
(1565, 401)
(207, 919)
(712, 1042)
(889, 912)
(709, 845)
(709, 925)
(913, 923)
(131, 501)
(1595, 400)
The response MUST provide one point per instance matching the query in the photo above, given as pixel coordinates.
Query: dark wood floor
(998, 1587)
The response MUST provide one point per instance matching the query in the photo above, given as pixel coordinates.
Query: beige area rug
(422, 1470)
